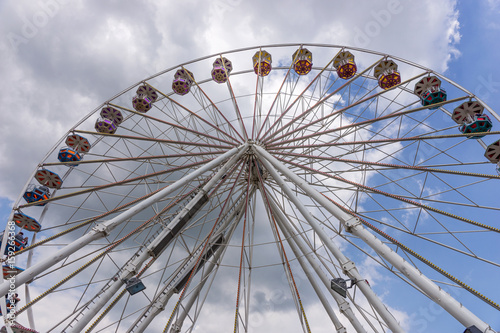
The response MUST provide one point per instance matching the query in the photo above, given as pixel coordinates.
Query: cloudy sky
(60, 59)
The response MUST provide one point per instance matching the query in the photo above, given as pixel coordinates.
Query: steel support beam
(159, 303)
(347, 265)
(353, 225)
(301, 250)
(154, 249)
(104, 228)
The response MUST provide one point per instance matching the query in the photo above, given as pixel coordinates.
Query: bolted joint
(128, 271)
(260, 144)
(348, 266)
(102, 229)
(344, 306)
(158, 306)
(352, 223)
(175, 328)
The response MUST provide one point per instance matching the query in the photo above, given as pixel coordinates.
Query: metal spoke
(248, 199)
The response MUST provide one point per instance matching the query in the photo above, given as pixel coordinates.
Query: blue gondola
(36, 193)
(15, 244)
(69, 155)
(11, 303)
(433, 97)
(480, 123)
(430, 92)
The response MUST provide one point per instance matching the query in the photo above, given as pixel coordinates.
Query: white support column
(104, 228)
(133, 267)
(347, 265)
(353, 225)
(176, 327)
(158, 304)
(300, 249)
(280, 219)
(235, 214)
(438, 295)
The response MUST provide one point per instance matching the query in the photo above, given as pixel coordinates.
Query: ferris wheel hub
(310, 160)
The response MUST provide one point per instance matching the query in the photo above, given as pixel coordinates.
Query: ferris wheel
(344, 186)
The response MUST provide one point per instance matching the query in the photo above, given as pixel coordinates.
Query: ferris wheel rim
(341, 47)
(236, 51)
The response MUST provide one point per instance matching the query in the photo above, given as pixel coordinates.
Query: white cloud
(56, 74)
(62, 59)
